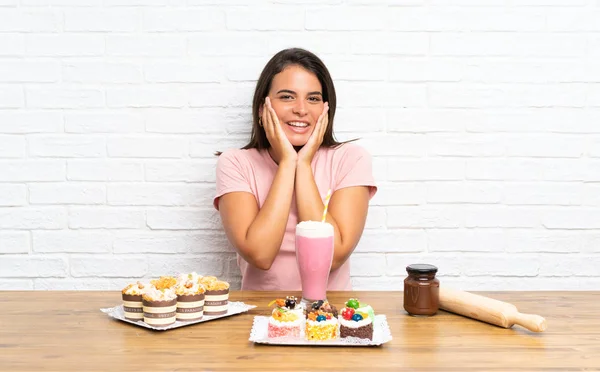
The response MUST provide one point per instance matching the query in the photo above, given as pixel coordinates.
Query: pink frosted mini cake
(286, 319)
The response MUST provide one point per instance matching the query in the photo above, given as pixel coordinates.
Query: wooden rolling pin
(488, 310)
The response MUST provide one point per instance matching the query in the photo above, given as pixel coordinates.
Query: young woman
(282, 176)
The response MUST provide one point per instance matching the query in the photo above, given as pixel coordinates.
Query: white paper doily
(233, 309)
(260, 331)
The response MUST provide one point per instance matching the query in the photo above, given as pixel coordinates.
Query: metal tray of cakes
(234, 308)
(381, 335)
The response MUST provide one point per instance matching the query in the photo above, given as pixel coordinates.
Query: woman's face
(297, 98)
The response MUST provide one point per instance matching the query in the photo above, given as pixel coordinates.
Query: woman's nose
(300, 108)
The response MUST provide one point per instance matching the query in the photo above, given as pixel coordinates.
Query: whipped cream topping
(193, 276)
(332, 321)
(314, 229)
(354, 324)
(189, 287)
(154, 294)
(136, 289)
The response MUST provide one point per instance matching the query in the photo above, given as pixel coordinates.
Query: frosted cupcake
(190, 299)
(132, 300)
(193, 276)
(216, 300)
(160, 307)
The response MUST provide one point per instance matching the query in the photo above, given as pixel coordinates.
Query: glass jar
(421, 290)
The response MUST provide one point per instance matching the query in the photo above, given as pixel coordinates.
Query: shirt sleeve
(231, 176)
(355, 169)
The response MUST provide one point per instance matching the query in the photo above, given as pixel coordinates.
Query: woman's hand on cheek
(281, 146)
(308, 151)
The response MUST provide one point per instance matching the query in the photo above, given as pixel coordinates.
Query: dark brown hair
(281, 60)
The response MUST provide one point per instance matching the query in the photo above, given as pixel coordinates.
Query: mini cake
(132, 301)
(216, 300)
(354, 323)
(286, 319)
(160, 307)
(361, 307)
(165, 282)
(190, 299)
(321, 322)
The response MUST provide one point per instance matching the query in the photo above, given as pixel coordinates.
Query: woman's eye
(286, 97)
(315, 99)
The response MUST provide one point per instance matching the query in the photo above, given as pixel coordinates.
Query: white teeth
(298, 124)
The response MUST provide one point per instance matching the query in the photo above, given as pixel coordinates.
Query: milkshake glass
(314, 254)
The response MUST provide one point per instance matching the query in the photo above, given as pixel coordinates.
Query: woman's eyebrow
(292, 92)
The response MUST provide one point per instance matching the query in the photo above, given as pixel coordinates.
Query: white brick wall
(483, 118)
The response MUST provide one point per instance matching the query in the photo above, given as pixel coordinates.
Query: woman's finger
(322, 125)
(277, 131)
(326, 114)
(267, 121)
(325, 123)
(272, 113)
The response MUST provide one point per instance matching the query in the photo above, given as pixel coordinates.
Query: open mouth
(298, 126)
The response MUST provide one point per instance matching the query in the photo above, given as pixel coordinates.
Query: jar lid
(421, 269)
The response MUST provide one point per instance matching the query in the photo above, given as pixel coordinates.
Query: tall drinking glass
(314, 254)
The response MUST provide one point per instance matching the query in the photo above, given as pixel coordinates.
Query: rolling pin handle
(534, 323)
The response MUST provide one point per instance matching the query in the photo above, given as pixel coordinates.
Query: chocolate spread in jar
(421, 290)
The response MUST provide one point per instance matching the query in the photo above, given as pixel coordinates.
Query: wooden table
(65, 331)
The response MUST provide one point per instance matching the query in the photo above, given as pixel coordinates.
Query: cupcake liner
(132, 305)
(216, 302)
(160, 313)
(190, 307)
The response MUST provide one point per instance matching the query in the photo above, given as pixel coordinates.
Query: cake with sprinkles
(321, 322)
